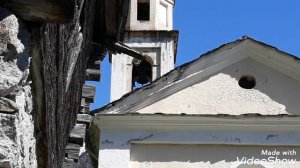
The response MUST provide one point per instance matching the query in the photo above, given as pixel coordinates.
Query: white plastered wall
(211, 156)
(214, 145)
(164, 15)
(274, 93)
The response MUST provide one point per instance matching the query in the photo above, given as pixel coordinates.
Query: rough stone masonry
(17, 142)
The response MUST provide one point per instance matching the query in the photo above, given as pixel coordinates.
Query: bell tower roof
(150, 15)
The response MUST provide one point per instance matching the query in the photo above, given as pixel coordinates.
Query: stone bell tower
(149, 30)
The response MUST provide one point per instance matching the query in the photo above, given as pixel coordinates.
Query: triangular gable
(208, 64)
(220, 93)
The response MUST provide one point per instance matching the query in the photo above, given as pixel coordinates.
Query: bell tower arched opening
(142, 72)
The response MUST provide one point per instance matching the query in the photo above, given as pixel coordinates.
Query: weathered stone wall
(37, 117)
(17, 142)
(42, 70)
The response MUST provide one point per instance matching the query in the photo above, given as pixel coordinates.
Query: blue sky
(206, 24)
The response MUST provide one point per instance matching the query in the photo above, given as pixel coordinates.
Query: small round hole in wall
(247, 82)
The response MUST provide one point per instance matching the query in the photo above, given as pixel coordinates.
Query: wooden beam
(55, 11)
(88, 92)
(95, 64)
(84, 119)
(72, 151)
(69, 164)
(93, 70)
(118, 47)
(93, 74)
(85, 107)
(77, 135)
(93, 67)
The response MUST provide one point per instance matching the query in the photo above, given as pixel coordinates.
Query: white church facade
(237, 106)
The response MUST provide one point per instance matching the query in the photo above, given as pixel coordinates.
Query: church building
(237, 106)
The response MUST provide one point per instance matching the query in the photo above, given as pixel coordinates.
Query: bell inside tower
(141, 72)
